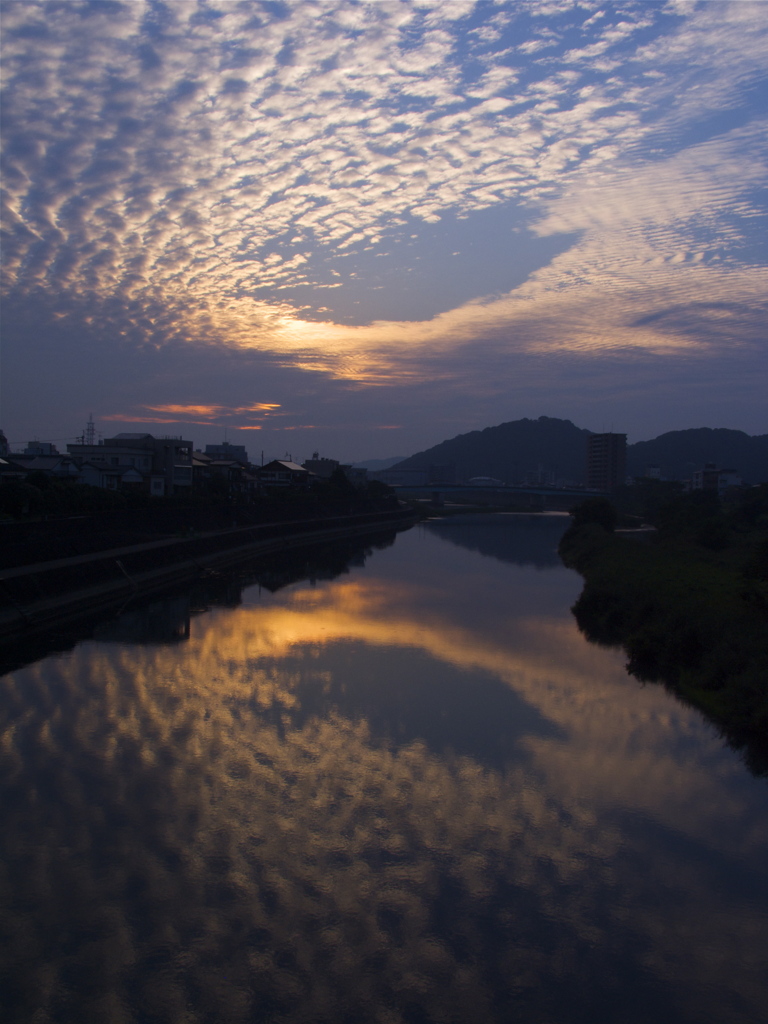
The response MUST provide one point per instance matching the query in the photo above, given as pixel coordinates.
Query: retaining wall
(34, 597)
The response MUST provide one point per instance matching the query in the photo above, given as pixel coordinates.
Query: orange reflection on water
(270, 858)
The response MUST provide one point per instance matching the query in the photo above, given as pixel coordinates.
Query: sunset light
(445, 200)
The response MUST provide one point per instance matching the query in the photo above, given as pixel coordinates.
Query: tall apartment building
(606, 461)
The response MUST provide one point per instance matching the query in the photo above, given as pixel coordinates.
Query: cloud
(214, 410)
(238, 416)
(260, 769)
(178, 175)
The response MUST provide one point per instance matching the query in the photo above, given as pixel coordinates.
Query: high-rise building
(606, 461)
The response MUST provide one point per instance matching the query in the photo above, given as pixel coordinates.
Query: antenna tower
(89, 430)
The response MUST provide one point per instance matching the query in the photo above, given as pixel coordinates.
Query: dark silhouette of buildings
(227, 451)
(160, 465)
(606, 461)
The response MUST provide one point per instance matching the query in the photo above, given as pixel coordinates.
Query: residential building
(712, 478)
(540, 476)
(13, 468)
(606, 461)
(228, 451)
(62, 467)
(282, 473)
(40, 448)
(222, 475)
(322, 468)
(357, 475)
(113, 478)
(160, 465)
(59, 467)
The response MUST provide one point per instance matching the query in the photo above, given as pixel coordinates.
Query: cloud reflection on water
(185, 844)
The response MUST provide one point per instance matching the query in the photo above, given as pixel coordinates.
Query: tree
(595, 510)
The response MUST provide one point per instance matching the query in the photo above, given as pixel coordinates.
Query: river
(390, 784)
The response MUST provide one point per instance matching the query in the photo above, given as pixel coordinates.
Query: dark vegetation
(679, 452)
(690, 606)
(511, 451)
(45, 519)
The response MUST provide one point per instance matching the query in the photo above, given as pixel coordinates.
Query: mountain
(512, 452)
(377, 464)
(552, 449)
(679, 452)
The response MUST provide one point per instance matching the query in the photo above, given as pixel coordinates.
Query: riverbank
(691, 616)
(37, 596)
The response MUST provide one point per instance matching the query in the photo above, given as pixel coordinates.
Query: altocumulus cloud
(210, 172)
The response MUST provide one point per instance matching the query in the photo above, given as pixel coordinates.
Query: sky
(362, 228)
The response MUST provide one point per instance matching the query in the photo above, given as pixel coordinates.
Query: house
(112, 478)
(321, 468)
(357, 475)
(280, 473)
(60, 467)
(8, 471)
(159, 465)
(711, 478)
(227, 476)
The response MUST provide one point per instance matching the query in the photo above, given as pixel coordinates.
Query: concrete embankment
(44, 594)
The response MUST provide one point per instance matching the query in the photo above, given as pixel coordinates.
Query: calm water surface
(405, 792)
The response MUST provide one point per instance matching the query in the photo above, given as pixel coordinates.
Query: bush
(18, 499)
(696, 623)
(595, 510)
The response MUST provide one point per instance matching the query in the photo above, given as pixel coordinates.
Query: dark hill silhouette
(512, 451)
(520, 449)
(679, 452)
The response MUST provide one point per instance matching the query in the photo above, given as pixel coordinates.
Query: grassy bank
(690, 608)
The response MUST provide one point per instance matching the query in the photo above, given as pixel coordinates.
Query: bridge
(536, 496)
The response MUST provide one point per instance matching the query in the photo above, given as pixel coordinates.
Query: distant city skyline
(364, 228)
(273, 450)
